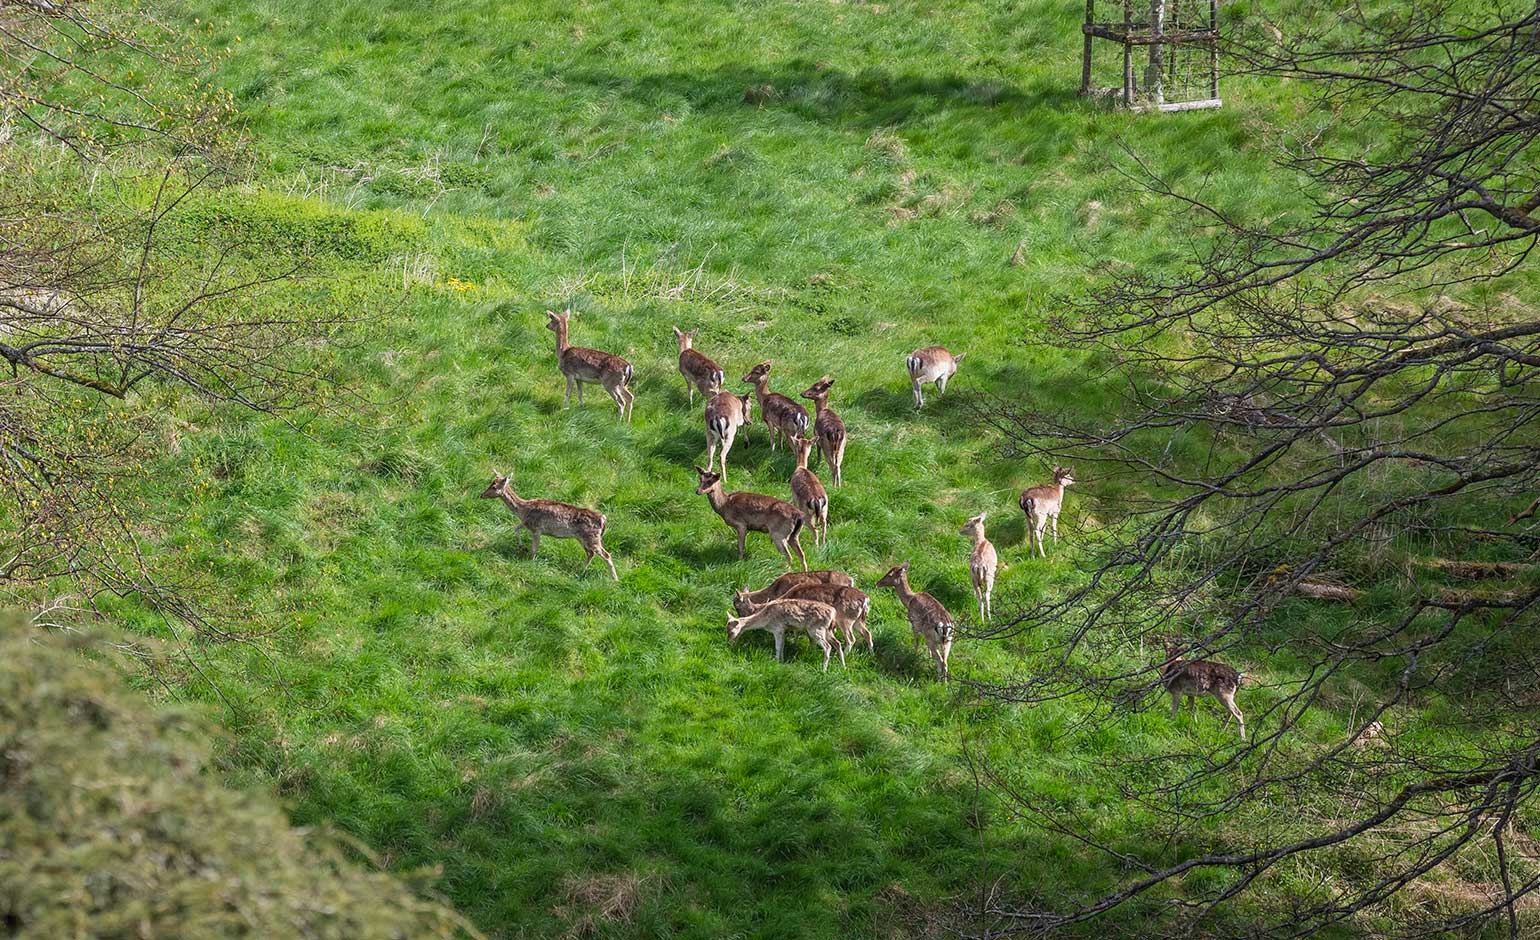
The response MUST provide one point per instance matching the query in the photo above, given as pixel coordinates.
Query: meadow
(828, 185)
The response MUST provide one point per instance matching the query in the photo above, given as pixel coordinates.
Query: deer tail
(629, 371)
(914, 364)
(796, 526)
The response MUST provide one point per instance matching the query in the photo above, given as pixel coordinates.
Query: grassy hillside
(826, 184)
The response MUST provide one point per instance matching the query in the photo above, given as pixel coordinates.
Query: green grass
(531, 729)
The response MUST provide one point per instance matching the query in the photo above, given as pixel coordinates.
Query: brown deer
(814, 618)
(808, 493)
(851, 607)
(828, 429)
(788, 581)
(590, 366)
(1196, 678)
(745, 511)
(784, 417)
(725, 414)
(927, 617)
(931, 364)
(982, 564)
(1042, 504)
(698, 370)
(558, 520)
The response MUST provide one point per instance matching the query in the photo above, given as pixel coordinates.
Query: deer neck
(761, 389)
(717, 498)
(561, 339)
(802, 458)
(511, 499)
(820, 405)
(979, 540)
(905, 593)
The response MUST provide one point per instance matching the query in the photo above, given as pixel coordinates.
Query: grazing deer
(590, 366)
(814, 618)
(558, 520)
(783, 416)
(697, 368)
(828, 429)
(1042, 505)
(808, 493)
(927, 617)
(725, 414)
(851, 608)
(1196, 678)
(982, 563)
(745, 511)
(787, 582)
(931, 364)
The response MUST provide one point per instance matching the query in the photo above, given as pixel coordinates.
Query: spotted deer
(697, 368)
(814, 618)
(982, 564)
(789, 581)
(784, 417)
(558, 520)
(931, 364)
(927, 617)
(1195, 678)
(1042, 504)
(808, 493)
(725, 414)
(851, 607)
(583, 366)
(754, 511)
(828, 429)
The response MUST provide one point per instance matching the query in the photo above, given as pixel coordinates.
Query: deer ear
(702, 471)
(677, 331)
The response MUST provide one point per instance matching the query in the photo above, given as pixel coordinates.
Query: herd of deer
(822, 604)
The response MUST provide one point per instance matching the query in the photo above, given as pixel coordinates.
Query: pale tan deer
(931, 364)
(928, 619)
(754, 511)
(982, 565)
(583, 366)
(558, 520)
(784, 417)
(697, 368)
(814, 618)
(725, 414)
(787, 582)
(809, 494)
(828, 429)
(1042, 505)
(1195, 678)
(851, 607)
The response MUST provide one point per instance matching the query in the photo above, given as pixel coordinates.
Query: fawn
(828, 429)
(814, 618)
(1042, 504)
(725, 414)
(931, 364)
(785, 583)
(982, 563)
(784, 417)
(590, 366)
(558, 520)
(744, 511)
(698, 370)
(927, 617)
(1196, 678)
(851, 607)
(809, 494)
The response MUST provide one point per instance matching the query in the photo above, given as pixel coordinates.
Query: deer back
(930, 362)
(983, 557)
(806, 488)
(700, 369)
(561, 520)
(783, 414)
(828, 427)
(723, 412)
(794, 579)
(848, 601)
(806, 615)
(1199, 677)
(592, 365)
(928, 615)
(1036, 500)
(760, 512)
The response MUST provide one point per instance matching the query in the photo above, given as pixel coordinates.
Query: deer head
(895, 576)
(496, 487)
(1063, 476)
(748, 407)
(742, 604)
(819, 389)
(734, 627)
(804, 448)
(685, 337)
(758, 372)
(974, 527)
(708, 480)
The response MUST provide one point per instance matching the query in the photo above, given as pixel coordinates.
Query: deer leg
(570, 383)
(727, 445)
(796, 542)
(837, 463)
(630, 402)
(743, 534)
(946, 660)
(823, 640)
(941, 385)
(1229, 703)
(780, 643)
(1176, 701)
(534, 543)
(1055, 520)
(837, 646)
(871, 647)
(1037, 531)
(690, 387)
(1193, 701)
(919, 396)
(711, 450)
(823, 518)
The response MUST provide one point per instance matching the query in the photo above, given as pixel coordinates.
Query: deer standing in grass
(787, 582)
(558, 520)
(583, 366)
(1042, 504)
(851, 607)
(697, 368)
(982, 564)
(725, 414)
(784, 417)
(928, 619)
(814, 618)
(828, 429)
(1195, 678)
(808, 493)
(754, 511)
(931, 364)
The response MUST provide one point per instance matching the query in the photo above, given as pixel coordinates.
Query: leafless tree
(1316, 469)
(110, 302)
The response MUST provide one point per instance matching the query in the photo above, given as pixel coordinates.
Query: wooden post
(1128, 54)
(1085, 60)
(1213, 49)
(1152, 77)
